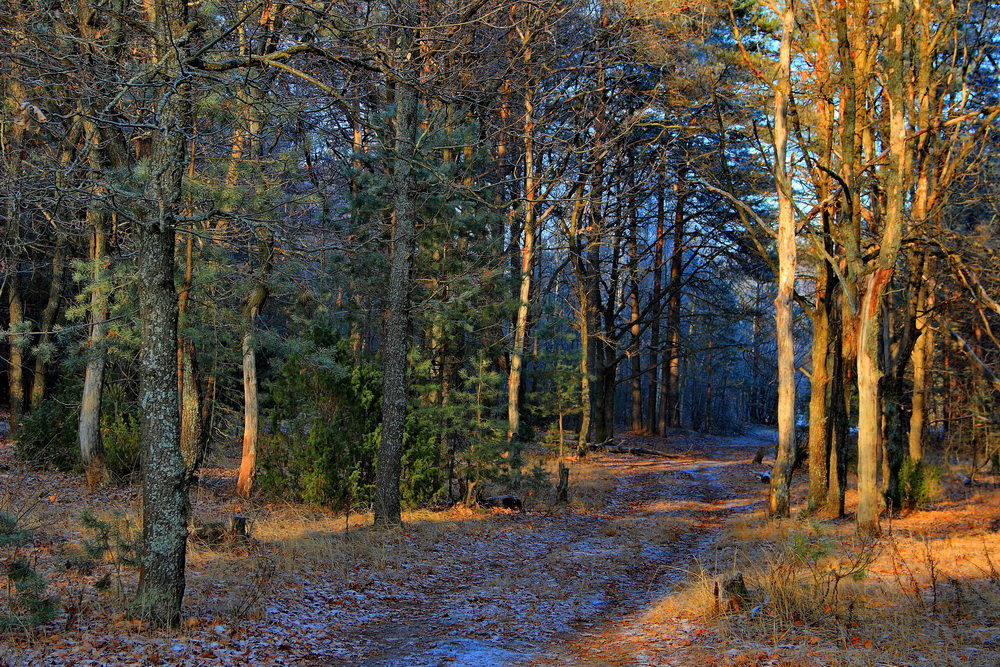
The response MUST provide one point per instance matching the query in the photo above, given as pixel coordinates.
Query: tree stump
(562, 488)
(732, 595)
(239, 526)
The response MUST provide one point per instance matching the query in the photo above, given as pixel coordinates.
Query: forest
(296, 294)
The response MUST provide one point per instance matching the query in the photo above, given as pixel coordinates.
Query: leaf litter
(549, 586)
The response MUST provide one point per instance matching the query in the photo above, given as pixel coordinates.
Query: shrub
(323, 429)
(26, 605)
(47, 436)
(918, 483)
(121, 432)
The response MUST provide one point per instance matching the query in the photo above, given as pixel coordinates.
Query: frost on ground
(572, 585)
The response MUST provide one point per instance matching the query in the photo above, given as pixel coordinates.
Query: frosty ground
(622, 575)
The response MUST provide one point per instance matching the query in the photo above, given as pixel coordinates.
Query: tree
(778, 500)
(165, 501)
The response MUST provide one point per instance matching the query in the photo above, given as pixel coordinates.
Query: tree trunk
(657, 370)
(89, 431)
(18, 343)
(527, 267)
(869, 402)
(841, 384)
(923, 361)
(395, 344)
(248, 458)
(869, 374)
(778, 501)
(165, 501)
(820, 396)
(603, 407)
(635, 329)
(193, 441)
(48, 321)
(14, 248)
(670, 412)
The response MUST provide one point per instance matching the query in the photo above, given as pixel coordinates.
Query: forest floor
(626, 574)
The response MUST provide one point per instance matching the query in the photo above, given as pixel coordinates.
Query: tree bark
(875, 283)
(658, 371)
(527, 266)
(251, 403)
(923, 361)
(165, 501)
(670, 408)
(89, 431)
(396, 343)
(635, 328)
(819, 398)
(841, 385)
(778, 500)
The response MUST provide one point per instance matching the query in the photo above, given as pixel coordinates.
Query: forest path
(568, 586)
(713, 479)
(572, 587)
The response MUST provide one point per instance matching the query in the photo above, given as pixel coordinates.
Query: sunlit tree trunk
(923, 361)
(527, 265)
(778, 500)
(875, 283)
(820, 396)
(251, 400)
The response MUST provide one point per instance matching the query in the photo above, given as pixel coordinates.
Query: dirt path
(713, 480)
(573, 588)
(562, 587)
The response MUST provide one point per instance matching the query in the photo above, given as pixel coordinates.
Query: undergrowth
(23, 602)
(812, 578)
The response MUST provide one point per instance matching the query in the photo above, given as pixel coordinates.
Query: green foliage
(424, 477)
(26, 605)
(323, 429)
(919, 482)
(11, 531)
(121, 432)
(112, 540)
(47, 436)
(536, 483)
(456, 436)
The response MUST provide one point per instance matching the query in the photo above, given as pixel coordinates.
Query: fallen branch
(611, 448)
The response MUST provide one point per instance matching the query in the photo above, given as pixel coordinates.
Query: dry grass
(821, 581)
